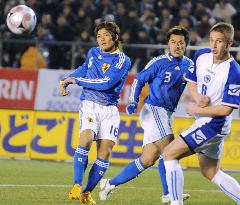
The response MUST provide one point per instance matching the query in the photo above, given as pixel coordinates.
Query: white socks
(175, 181)
(228, 185)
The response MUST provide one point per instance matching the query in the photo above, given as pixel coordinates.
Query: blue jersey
(102, 76)
(164, 75)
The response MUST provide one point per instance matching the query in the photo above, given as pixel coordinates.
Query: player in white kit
(214, 83)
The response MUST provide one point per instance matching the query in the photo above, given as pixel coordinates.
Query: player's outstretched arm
(210, 111)
(63, 85)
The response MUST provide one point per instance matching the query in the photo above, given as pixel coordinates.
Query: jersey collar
(172, 58)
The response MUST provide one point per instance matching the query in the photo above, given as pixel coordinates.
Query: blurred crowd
(140, 21)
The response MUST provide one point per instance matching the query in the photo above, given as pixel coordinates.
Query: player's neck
(225, 57)
(111, 49)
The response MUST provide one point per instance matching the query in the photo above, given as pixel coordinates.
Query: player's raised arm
(140, 80)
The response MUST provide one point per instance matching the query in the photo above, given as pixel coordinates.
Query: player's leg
(80, 162)
(100, 166)
(148, 157)
(88, 129)
(162, 170)
(162, 174)
(174, 174)
(209, 164)
(109, 120)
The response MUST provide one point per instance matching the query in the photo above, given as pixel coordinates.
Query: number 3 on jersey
(167, 77)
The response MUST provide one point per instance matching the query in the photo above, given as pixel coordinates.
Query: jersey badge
(105, 67)
(90, 119)
(177, 68)
(207, 78)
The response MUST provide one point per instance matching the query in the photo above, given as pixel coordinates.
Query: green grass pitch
(48, 183)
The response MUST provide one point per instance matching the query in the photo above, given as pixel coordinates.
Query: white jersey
(221, 82)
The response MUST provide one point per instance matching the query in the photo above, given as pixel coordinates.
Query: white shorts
(103, 120)
(156, 123)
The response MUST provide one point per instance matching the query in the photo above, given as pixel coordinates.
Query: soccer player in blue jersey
(216, 75)
(164, 74)
(102, 77)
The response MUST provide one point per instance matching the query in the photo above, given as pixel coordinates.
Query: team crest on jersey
(234, 90)
(207, 78)
(177, 68)
(199, 137)
(90, 119)
(105, 67)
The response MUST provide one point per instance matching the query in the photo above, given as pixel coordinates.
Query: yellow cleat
(86, 198)
(75, 192)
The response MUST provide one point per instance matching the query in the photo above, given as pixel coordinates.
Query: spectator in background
(119, 14)
(199, 10)
(105, 7)
(64, 30)
(69, 14)
(224, 11)
(32, 59)
(150, 27)
(194, 40)
(204, 26)
(46, 21)
(166, 17)
(184, 22)
(131, 22)
(173, 7)
(141, 55)
(43, 36)
(184, 13)
(83, 22)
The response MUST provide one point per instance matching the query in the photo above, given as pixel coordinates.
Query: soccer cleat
(86, 198)
(105, 189)
(75, 192)
(166, 198)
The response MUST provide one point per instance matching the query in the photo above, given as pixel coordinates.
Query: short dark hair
(112, 28)
(178, 30)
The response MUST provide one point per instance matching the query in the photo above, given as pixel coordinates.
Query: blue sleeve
(81, 70)
(146, 75)
(116, 72)
(231, 96)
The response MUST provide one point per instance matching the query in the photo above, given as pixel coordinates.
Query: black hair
(113, 29)
(179, 30)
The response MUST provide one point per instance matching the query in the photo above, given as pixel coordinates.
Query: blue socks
(162, 173)
(97, 171)
(129, 172)
(80, 164)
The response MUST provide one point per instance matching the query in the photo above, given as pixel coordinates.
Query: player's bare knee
(208, 173)
(167, 154)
